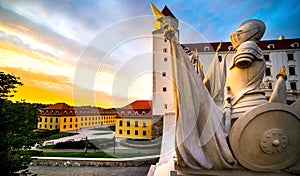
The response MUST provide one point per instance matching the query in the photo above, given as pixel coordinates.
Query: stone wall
(157, 126)
(77, 162)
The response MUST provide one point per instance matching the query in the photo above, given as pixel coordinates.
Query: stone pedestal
(166, 162)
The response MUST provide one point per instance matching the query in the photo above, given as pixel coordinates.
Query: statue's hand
(169, 31)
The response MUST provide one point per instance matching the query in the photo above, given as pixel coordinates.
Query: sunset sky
(98, 52)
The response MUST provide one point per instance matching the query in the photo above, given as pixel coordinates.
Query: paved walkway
(94, 171)
(94, 133)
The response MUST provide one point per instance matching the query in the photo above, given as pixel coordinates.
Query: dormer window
(47, 112)
(52, 112)
(129, 113)
(144, 113)
(65, 112)
(206, 48)
(230, 48)
(271, 46)
(136, 113)
(71, 112)
(295, 45)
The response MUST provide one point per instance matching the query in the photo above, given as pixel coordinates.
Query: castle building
(135, 120)
(63, 117)
(277, 53)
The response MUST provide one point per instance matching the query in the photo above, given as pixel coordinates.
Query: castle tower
(163, 98)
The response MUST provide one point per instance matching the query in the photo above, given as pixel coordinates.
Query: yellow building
(64, 117)
(135, 120)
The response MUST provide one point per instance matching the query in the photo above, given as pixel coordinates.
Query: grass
(95, 154)
(78, 154)
(58, 135)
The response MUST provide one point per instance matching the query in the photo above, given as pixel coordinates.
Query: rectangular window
(56, 120)
(45, 126)
(267, 57)
(292, 71)
(128, 132)
(220, 58)
(71, 119)
(46, 119)
(120, 123)
(136, 123)
(268, 71)
(144, 124)
(50, 126)
(164, 89)
(71, 126)
(65, 119)
(166, 59)
(40, 125)
(136, 132)
(290, 56)
(120, 131)
(144, 133)
(56, 127)
(293, 85)
(128, 123)
(270, 86)
(164, 74)
(50, 120)
(65, 126)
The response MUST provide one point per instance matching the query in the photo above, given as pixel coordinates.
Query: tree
(17, 123)
(8, 84)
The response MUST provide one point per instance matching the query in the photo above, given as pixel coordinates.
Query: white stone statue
(202, 129)
(248, 127)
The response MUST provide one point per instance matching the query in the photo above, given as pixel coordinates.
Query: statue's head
(250, 30)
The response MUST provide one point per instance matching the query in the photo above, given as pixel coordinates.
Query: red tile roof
(167, 12)
(139, 104)
(58, 106)
(278, 45)
(62, 109)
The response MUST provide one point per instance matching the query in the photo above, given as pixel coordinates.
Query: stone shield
(267, 138)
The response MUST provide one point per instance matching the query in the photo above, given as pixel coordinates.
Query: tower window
(164, 74)
(166, 106)
(165, 50)
(164, 89)
(268, 71)
(293, 85)
(292, 71)
(267, 57)
(290, 56)
(166, 59)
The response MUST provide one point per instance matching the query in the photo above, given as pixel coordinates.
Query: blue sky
(62, 49)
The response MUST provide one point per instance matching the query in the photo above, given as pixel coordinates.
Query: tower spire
(157, 14)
